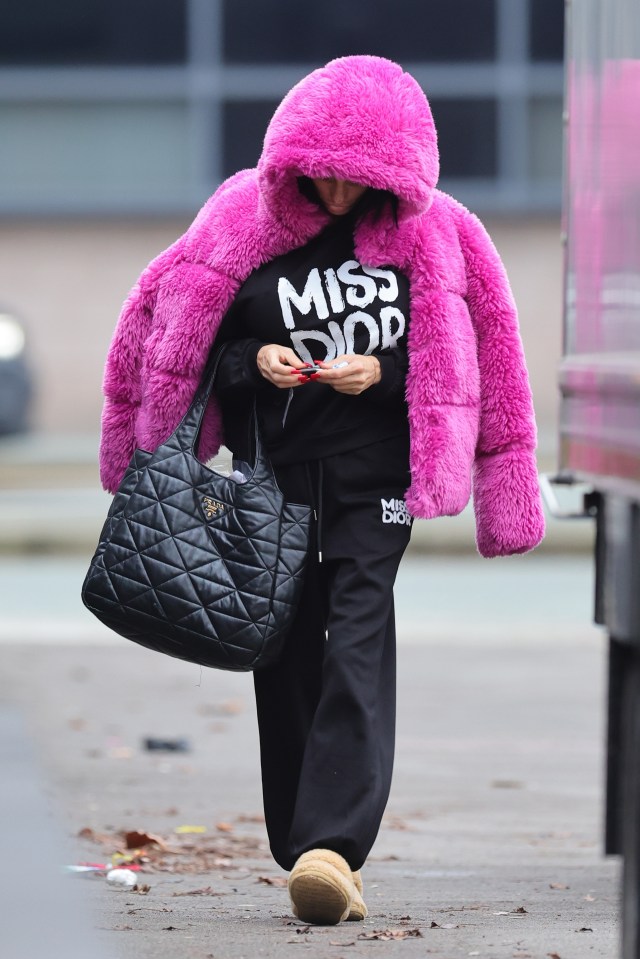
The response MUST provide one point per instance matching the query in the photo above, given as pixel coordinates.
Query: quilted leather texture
(197, 566)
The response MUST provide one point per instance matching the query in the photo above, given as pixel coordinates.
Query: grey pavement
(41, 914)
(491, 845)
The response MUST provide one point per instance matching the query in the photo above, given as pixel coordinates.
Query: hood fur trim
(359, 118)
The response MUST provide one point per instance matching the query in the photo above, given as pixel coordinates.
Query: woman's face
(338, 196)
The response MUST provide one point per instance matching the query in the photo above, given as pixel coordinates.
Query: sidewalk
(491, 845)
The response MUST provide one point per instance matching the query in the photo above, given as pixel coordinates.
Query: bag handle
(190, 427)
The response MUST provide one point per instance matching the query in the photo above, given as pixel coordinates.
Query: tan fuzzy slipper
(321, 888)
(358, 910)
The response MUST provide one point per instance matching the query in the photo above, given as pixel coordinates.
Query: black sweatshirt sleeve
(238, 367)
(394, 364)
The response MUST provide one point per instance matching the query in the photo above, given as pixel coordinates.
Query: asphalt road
(491, 845)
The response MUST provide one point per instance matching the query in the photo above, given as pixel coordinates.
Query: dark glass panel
(546, 29)
(95, 33)
(466, 137)
(244, 125)
(290, 31)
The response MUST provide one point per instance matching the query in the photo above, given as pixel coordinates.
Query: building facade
(116, 126)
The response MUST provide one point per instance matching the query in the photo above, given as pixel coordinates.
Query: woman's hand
(356, 375)
(276, 363)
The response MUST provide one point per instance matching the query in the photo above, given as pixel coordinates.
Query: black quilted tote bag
(195, 565)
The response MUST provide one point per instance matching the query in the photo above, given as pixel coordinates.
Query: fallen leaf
(224, 827)
(136, 840)
(520, 911)
(169, 928)
(584, 929)
(88, 833)
(443, 925)
(120, 752)
(273, 880)
(553, 955)
(558, 885)
(184, 854)
(388, 935)
(205, 891)
(189, 830)
(132, 912)
(395, 822)
(255, 817)
(141, 890)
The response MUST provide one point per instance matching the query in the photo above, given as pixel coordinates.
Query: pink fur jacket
(362, 119)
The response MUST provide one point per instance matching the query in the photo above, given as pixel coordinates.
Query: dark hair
(372, 203)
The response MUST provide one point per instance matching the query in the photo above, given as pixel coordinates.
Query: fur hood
(470, 410)
(361, 119)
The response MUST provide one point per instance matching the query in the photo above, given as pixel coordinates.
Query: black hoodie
(321, 302)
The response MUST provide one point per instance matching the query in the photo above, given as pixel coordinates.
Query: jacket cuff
(507, 503)
(117, 442)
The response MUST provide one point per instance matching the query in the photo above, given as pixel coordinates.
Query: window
(93, 152)
(546, 30)
(99, 32)
(404, 30)
(466, 137)
(141, 109)
(244, 126)
(545, 138)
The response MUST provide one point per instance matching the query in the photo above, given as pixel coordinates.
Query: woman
(339, 251)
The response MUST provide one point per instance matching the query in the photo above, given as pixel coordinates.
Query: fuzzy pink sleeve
(121, 386)
(506, 493)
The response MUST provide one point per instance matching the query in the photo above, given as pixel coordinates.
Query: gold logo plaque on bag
(212, 507)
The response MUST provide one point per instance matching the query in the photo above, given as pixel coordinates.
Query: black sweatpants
(326, 710)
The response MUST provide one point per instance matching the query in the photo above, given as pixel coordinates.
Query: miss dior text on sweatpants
(395, 511)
